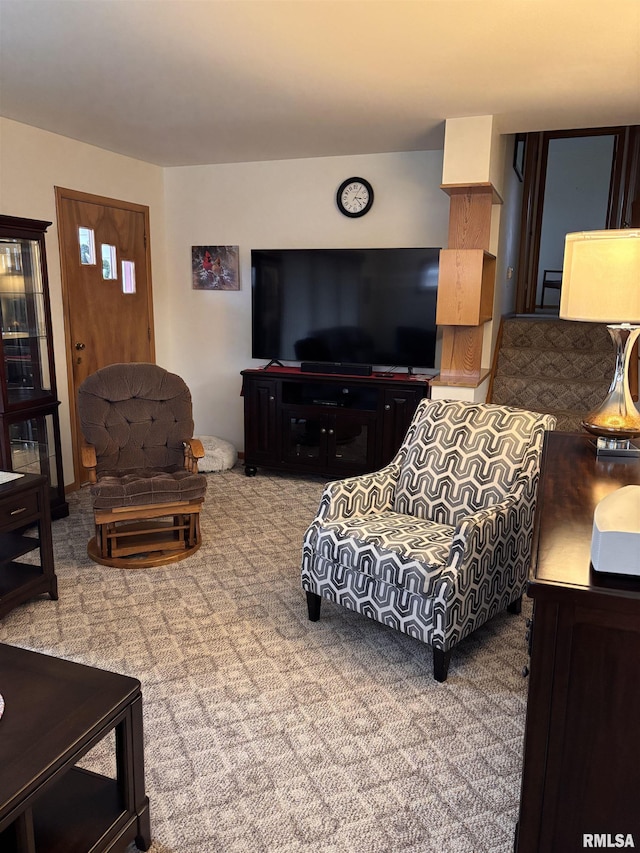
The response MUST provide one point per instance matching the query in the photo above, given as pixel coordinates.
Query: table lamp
(601, 284)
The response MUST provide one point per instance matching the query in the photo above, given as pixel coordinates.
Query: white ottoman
(219, 455)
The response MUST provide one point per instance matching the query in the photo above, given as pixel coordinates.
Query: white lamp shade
(601, 276)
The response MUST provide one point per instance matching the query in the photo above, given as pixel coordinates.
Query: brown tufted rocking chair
(143, 465)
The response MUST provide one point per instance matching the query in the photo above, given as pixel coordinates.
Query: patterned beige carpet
(265, 732)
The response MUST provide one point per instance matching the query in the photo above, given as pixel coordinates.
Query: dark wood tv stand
(326, 424)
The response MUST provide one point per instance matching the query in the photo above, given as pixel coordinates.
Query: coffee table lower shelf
(82, 812)
(56, 712)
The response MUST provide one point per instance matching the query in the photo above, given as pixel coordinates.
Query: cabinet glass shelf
(30, 431)
(23, 316)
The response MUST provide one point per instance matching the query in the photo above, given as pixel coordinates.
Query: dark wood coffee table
(55, 712)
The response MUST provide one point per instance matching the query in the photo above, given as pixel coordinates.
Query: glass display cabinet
(29, 421)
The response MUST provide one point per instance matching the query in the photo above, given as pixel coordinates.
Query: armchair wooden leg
(441, 664)
(515, 606)
(313, 605)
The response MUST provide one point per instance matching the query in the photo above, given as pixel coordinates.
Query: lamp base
(617, 417)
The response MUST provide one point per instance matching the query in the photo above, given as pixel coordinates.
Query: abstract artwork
(215, 268)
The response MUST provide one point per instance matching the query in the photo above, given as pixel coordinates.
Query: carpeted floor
(265, 732)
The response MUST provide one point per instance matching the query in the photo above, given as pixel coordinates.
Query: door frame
(63, 194)
(622, 193)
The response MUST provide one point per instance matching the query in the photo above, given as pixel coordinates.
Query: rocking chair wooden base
(145, 536)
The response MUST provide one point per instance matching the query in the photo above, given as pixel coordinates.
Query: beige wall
(278, 204)
(32, 163)
(206, 336)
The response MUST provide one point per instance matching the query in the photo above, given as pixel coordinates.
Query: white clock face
(355, 197)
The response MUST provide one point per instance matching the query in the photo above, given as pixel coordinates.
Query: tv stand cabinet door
(332, 442)
(398, 408)
(351, 443)
(261, 435)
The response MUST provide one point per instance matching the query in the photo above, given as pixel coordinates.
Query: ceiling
(185, 82)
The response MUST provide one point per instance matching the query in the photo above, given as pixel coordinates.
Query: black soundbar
(336, 367)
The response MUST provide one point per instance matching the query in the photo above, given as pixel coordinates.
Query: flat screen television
(356, 306)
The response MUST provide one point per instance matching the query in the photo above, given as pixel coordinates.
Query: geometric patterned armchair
(439, 540)
(143, 465)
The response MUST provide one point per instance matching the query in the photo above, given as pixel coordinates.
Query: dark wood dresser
(24, 503)
(581, 773)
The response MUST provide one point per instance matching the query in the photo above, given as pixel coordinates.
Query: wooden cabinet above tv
(465, 287)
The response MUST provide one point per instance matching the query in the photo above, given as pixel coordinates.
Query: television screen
(357, 306)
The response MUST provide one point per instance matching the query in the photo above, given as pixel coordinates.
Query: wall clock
(354, 197)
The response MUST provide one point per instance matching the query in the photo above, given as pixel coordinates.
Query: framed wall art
(215, 268)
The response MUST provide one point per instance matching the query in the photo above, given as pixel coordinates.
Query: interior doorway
(106, 289)
(578, 180)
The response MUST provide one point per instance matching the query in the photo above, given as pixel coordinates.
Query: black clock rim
(367, 206)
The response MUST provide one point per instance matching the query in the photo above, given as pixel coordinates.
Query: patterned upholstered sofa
(439, 540)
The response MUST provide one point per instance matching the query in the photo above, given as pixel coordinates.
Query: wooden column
(466, 281)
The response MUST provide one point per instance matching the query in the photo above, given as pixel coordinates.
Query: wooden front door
(106, 288)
